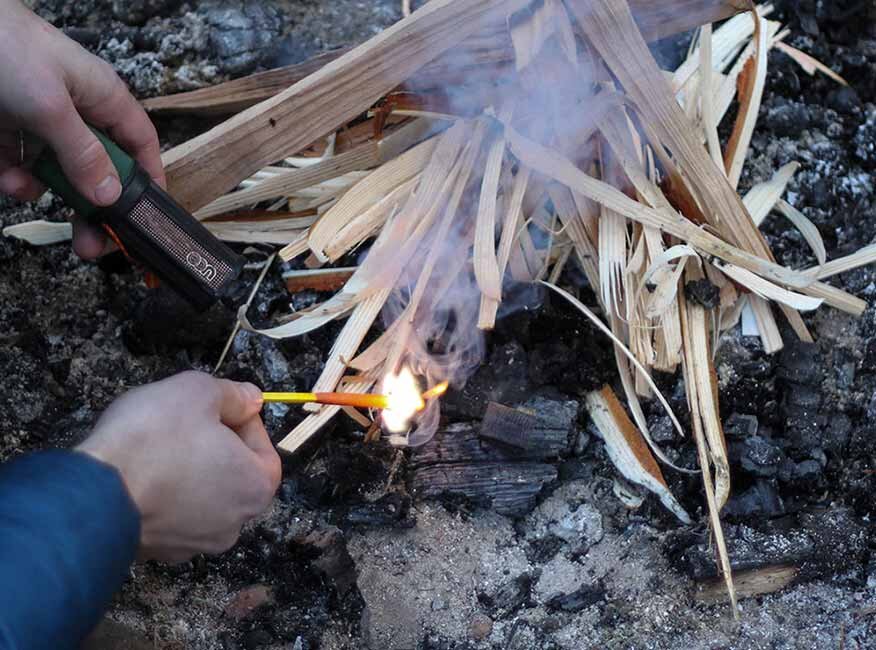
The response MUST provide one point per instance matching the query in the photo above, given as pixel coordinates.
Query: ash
(350, 556)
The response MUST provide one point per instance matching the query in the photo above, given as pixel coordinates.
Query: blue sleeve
(68, 535)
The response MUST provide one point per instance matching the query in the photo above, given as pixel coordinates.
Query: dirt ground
(347, 557)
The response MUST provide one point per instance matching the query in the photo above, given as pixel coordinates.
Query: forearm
(68, 534)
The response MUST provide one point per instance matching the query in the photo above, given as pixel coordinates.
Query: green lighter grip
(151, 228)
(48, 170)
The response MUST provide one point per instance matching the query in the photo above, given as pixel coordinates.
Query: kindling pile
(482, 142)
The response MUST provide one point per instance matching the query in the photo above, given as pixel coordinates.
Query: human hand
(49, 86)
(196, 459)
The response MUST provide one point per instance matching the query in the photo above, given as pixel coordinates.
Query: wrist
(93, 447)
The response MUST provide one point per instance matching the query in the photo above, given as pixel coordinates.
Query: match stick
(367, 400)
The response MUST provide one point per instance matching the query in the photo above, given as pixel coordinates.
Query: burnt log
(507, 477)
(540, 427)
(792, 549)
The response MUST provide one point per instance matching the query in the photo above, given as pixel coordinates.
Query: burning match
(399, 402)
(367, 400)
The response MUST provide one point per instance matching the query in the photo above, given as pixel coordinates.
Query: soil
(347, 557)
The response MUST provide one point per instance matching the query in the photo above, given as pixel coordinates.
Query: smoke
(433, 317)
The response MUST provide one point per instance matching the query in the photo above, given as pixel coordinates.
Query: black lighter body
(153, 229)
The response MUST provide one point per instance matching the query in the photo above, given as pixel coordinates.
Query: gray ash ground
(348, 557)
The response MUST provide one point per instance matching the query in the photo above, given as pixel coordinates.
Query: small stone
(865, 139)
(789, 119)
(248, 600)
(334, 560)
(838, 433)
(844, 100)
(758, 456)
(509, 597)
(808, 470)
(740, 425)
(581, 526)
(799, 363)
(135, 12)
(579, 599)
(257, 638)
(393, 510)
(439, 604)
(480, 627)
(582, 441)
(761, 499)
(243, 34)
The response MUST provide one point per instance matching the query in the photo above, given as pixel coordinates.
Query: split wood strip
(727, 41)
(694, 358)
(211, 164)
(810, 64)
(238, 94)
(368, 192)
(316, 421)
(478, 52)
(40, 232)
(610, 28)
(627, 448)
(486, 265)
(750, 98)
(707, 94)
(762, 198)
(206, 167)
(347, 343)
(513, 212)
(700, 378)
(866, 255)
(317, 279)
(252, 294)
(354, 232)
(808, 229)
(363, 156)
(462, 174)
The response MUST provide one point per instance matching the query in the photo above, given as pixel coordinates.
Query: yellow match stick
(366, 400)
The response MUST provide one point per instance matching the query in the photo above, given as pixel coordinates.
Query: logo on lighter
(197, 262)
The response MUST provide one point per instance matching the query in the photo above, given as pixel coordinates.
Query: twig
(249, 300)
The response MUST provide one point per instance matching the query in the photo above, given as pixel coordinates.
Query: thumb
(81, 155)
(238, 402)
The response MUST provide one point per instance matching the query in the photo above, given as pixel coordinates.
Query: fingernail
(252, 392)
(108, 190)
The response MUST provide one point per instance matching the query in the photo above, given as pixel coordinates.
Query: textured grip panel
(168, 235)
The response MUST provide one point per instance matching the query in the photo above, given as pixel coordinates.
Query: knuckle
(91, 157)
(52, 107)
(194, 381)
(275, 475)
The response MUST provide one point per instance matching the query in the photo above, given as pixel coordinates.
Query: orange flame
(436, 391)
(405, 400)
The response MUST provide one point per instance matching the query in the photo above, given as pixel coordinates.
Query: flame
(436, 391)
(404, 400)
